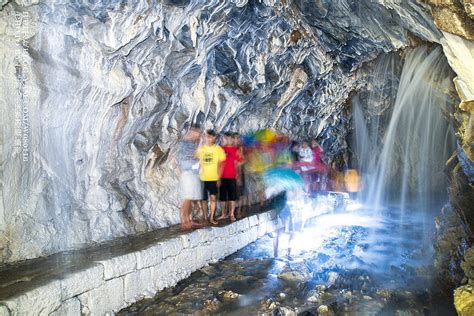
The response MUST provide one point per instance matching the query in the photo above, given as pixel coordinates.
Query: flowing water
(355, 262)
(370, 116)
(403, 149)
(334, 268)
(418, 139)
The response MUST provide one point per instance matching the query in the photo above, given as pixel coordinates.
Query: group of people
(233, 172)
(307, 158)
(244, 169)
(207, 172)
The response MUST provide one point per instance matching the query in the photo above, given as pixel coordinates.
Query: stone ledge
(110, 281)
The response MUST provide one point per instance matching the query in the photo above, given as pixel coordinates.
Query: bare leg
(275, 243)
(204, 210)
(261, 198)
(223, 211)
(290, 222)
(213, 209)
(185, 214)
(239, 207)
(197, 208)
(231, 204)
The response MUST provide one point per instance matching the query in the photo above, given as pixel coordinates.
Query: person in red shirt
(228, 185)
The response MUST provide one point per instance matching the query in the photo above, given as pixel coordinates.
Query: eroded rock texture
(94, 95)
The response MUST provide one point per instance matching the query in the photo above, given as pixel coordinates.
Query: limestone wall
(112, 284)
(94, 96)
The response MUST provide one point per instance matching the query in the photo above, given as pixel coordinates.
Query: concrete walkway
(114, 275)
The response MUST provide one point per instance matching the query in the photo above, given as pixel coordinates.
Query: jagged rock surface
(106, 88)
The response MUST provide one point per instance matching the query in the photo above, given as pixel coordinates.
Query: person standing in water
(210, 158)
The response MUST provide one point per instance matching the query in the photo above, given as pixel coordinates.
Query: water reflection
(335, 263)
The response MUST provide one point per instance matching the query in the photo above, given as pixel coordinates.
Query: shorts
(190, 185)
(228, 190)
(209, 187)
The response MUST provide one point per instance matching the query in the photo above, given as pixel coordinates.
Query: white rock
(71, 306)
(150, 256)
(204, 255)
(253, 220)
(42, 300)
(172, 247)
(193, 239)
(118, 266)
(82, 281)
(4, 311)
(107, 298)
(460, 55)
(138, 285)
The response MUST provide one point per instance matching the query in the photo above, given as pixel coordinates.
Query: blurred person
(228, 177)
(283, 153)
(267, 158)
(190, 185)
(320, 168)
(285, 219)
(306, 164)
(336, 178)
(352, 182)
(242, 199)
(305, 154)
(210, 158)
(294, 150)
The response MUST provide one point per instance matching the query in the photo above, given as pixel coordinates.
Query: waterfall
(371, 111)
(418, 139)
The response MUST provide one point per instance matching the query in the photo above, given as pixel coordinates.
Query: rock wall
(94, 96)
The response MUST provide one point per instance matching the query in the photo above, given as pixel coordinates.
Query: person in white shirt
(305, 153)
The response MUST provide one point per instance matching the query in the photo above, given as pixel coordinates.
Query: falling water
(418, 139)
(370, 113)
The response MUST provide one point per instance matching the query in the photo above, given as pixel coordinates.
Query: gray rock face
(94, 96)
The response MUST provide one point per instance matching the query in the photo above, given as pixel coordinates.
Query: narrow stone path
(116, 274)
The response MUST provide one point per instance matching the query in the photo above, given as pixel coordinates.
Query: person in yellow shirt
(210, 158)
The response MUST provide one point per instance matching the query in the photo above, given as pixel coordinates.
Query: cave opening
(371, 252)
(344, 135)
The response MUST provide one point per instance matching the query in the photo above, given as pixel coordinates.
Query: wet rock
(408, 312)
(284, 311)
(314, 298)
(216, 283)
(211, 305)
(296, 275)
(332, 277)
(241, 283)
(384, 293)
(467, 264)
(228, 295)
(452, 17)
(268, 305)
(324, 310)
(464, 300)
